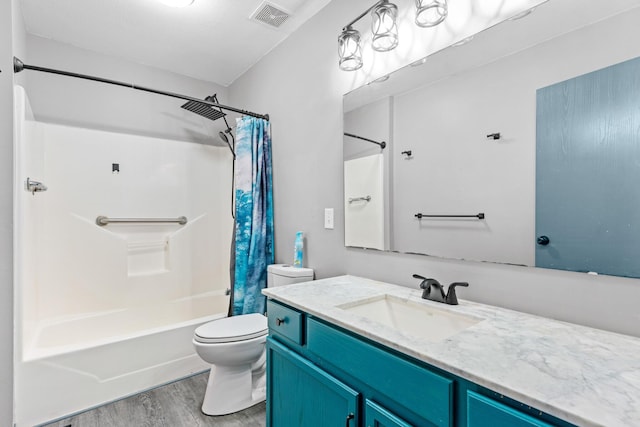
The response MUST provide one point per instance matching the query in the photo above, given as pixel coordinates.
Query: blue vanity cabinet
(319, 374)
(377, 416)
(414, 393)
(300, 394)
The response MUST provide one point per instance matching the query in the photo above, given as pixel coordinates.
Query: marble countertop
(582, 375)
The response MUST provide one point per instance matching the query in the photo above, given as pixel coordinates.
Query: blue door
(588, 172)
(300, 394)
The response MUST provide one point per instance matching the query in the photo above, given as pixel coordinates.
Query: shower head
(203, 109)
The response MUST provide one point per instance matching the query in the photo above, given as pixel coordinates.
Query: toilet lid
(231, 329)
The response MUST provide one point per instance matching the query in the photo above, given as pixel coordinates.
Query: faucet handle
(417, 276)
(451, 298)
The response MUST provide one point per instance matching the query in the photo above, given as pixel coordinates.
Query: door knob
(543, 240)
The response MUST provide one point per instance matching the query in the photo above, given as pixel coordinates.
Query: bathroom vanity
(349, 351)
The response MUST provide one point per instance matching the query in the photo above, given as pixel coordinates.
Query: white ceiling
(212, 40)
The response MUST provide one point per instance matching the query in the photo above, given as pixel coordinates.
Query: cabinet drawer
(285, 322)
(485, 412)
(423, 392)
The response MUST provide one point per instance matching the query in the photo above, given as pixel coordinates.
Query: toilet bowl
(235, 347)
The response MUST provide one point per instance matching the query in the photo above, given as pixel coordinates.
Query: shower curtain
(254, 215)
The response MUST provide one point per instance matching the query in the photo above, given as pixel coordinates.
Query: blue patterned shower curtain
(254, 215)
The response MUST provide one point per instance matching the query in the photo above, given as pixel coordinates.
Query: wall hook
(407, 152)
(494, 135)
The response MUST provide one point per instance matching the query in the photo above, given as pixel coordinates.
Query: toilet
(235, 347)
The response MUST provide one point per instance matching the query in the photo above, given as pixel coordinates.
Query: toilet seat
(232, 329)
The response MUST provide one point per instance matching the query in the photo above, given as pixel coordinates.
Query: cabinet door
(485, 412)
(377, 416)
(301, 394)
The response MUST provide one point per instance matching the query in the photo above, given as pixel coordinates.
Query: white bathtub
(102, 312)
(77, 363)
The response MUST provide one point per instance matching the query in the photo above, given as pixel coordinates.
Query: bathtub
(103, 312)
(76, 363)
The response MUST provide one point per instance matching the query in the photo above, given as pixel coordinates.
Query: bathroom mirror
(460, 130)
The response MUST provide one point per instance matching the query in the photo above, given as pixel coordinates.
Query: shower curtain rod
(18, 66)
(382, 144)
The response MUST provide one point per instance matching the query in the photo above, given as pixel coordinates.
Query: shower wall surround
(110, 310)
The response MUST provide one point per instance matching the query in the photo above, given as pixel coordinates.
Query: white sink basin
(412, 318)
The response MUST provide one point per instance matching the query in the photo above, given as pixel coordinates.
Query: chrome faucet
(433, 290)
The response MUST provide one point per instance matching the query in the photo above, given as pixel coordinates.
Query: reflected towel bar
(359, 199)
(420, 216)
(103, 220)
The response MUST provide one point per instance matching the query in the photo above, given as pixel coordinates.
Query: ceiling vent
(270, 14)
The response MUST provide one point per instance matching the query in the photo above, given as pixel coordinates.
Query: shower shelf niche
(148, 246)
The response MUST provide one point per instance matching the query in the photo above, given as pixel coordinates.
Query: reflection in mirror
(468, 116)
(366, 175)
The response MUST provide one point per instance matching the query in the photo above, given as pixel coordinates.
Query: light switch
(328, 218)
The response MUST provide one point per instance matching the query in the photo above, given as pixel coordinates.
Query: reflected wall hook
(494, 135)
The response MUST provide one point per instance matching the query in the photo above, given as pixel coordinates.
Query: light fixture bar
(363, 14)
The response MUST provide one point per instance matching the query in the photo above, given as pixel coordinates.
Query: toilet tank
(283, 274)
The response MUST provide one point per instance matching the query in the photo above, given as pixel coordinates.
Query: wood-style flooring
(172, 405)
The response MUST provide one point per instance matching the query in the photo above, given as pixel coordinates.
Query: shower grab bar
(359, 199)
(103, 220)
(421, 215)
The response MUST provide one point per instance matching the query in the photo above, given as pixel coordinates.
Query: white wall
(304, 98)
(373, 121)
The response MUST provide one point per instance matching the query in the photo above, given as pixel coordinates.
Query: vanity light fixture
(349, 49)
(431, 12)
(384, 27)
(176, 3)
(385, 35)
